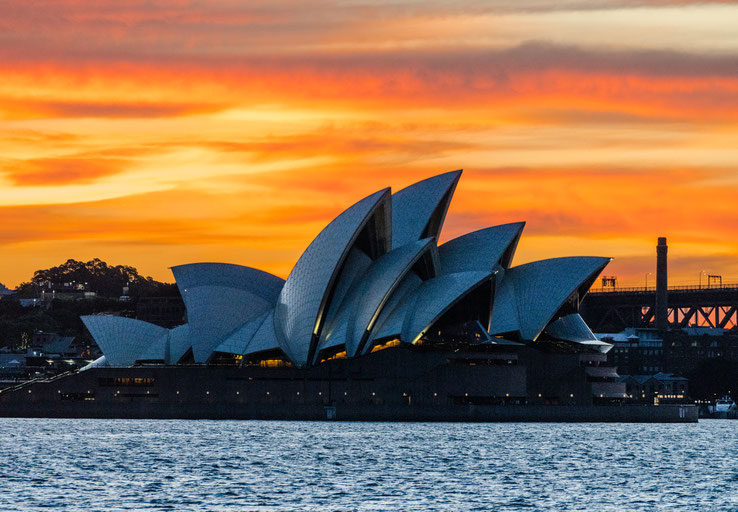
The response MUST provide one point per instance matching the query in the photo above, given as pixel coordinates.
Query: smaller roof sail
(260, 283)
(351, 278)
(265, 338)
(392, 315)
(482, 249)
(573, 328)
(359, 312)
(305, 300)
(418, 211)
(220, 297)
(505, 318)
(539, 290)
(428, 302)
(237, 342)
(100, 362)
(179, 343)
(157, 351)
(122, 340)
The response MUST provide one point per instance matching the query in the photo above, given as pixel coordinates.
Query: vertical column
(662, 311)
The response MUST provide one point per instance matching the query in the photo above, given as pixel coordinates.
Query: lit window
(388, 344)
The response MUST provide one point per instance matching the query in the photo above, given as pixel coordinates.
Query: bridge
(613, 309)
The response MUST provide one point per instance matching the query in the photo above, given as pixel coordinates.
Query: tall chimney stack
(662, 312)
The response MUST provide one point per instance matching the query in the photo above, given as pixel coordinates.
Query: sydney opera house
(376, 320)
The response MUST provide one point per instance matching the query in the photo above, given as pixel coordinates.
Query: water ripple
(122, 465)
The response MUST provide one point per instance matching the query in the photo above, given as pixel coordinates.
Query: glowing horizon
(154, 134)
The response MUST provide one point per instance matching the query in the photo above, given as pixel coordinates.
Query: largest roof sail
(303, 303)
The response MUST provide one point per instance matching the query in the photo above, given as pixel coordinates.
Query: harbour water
(112, 465)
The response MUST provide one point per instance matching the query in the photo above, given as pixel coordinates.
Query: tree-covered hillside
(63, 288)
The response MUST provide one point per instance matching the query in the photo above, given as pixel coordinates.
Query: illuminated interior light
(388, 344)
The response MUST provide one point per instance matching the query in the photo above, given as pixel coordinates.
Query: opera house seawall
(376, 321)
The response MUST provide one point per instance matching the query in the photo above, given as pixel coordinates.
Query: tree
(96, 276)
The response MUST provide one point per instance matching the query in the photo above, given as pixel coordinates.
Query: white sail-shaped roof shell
(351, 278)
(428, 302)
(391, 317)
(418, 211)
(263, 284)
(572, 327)
(538, 290)
(254, 336)
(122, 340)
(304, 301)
(100, 362)
(220, 297)
(238, 340)
(179, 343)
(481, 250)
(505, 317)
(361, 308)
(265, 338)
(157, 351)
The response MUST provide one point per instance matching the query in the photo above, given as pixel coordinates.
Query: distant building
(636, 351)
(646, 351)
(656, 388)
(51, 353)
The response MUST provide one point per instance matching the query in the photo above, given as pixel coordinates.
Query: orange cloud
(255, 124)
(58, 171)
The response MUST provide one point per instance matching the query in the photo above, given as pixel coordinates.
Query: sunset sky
(156, 133)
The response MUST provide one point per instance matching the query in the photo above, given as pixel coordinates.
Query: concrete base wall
(464, 413)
